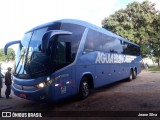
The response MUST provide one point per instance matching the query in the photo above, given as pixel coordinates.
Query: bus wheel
(131, 75)
(84, 88)
(134, 74)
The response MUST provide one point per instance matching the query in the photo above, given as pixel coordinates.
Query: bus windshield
(34, 59)
(30, 59)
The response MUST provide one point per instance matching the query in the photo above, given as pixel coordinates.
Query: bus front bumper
(42, 94)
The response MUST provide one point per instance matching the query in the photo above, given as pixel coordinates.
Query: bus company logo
(113, 58)
(6, 114)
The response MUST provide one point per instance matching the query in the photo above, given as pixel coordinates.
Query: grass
(154, 69)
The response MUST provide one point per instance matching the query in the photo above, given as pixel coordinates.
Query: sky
(18, 16)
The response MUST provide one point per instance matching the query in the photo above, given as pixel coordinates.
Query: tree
(9, 56)
(155, 41)
(134, 23)
(2, 57)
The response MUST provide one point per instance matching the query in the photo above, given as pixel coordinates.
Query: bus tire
(131, 75)
(134, 74)
(84, 88)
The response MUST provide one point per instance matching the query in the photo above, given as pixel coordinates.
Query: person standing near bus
(146, 66)
(8, 83)
(1, 82)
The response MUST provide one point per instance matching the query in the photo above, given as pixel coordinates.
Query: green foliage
(9, 56)
(155, 41)
(138, 22)
(154, 69)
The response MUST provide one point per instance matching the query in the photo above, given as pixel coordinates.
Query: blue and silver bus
(68, 57)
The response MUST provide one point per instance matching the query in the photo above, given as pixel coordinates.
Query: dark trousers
(8, 90)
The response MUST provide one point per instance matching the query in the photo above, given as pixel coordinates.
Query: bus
(70, 57)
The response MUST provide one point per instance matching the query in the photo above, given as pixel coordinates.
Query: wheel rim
(85, 89)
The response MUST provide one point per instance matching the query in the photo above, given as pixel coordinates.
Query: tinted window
(111, 44)
(96, 41)
(93, 41)
(60, 53)
(130, 49)
(77, 32)
(62, 56)
(137, 49)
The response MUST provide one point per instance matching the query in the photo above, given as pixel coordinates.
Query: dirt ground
(119, 101)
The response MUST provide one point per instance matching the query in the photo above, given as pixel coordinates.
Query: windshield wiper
(18, 65)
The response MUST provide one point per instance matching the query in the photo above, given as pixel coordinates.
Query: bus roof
(82, 23)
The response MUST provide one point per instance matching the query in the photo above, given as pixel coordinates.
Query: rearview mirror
(9, 44)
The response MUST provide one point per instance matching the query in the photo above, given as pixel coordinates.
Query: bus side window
(62, 54)
(75, 38)
(111, 44)
(118, 46)
(130, 49)
(93, 42)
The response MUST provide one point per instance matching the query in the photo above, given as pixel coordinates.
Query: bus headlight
(42, 85)
(48, 82)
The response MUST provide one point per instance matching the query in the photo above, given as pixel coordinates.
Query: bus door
(58, 47)
(61, 64)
